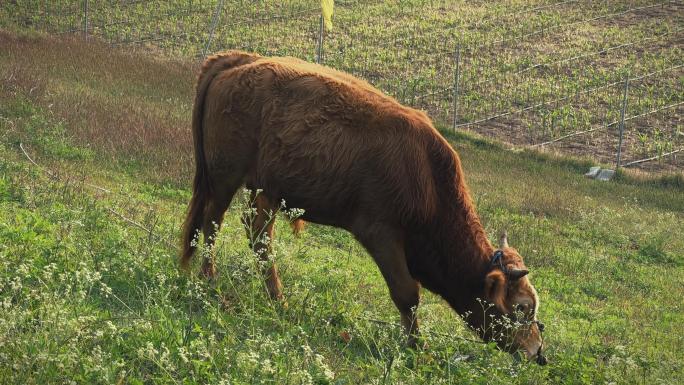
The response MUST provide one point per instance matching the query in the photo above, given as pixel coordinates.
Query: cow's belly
(334, 205)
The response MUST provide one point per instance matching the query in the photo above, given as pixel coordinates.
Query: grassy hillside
(90, 291)
(530, 71)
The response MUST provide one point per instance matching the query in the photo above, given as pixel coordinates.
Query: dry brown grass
(129, 107)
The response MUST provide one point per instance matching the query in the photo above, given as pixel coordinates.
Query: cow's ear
(495, 289)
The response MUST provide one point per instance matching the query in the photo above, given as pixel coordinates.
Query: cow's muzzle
(541, 359)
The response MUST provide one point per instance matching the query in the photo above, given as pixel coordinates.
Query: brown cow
(352, 157)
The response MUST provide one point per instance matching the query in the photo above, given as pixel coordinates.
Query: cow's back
(325, 141)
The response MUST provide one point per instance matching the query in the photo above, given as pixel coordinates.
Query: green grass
(89, 297)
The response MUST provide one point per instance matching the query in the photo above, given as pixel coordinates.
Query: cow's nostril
(541, 360)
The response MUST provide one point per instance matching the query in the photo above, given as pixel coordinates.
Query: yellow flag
(327, 9)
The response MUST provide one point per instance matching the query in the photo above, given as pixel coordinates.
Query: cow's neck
(451, 255)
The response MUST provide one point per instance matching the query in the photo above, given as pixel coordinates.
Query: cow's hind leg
(387, 249)
(217, 204)
(259, 227)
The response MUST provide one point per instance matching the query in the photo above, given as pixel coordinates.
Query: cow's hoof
(417, 343)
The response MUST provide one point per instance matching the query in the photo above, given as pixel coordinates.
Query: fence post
(214, 22)
(319, 50)
(85, 19)
(457, 60)
(622, 121)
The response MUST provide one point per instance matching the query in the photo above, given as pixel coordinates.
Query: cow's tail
(201, 188)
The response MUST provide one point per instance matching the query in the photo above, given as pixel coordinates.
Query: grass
(102, 95)
(88, 296)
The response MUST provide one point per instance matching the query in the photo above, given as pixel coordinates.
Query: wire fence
(527, 75)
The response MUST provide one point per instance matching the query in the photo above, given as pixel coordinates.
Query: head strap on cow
(497, 261)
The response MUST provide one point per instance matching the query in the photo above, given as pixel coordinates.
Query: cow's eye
(520, 307)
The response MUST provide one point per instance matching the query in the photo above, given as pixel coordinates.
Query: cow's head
(510, 319)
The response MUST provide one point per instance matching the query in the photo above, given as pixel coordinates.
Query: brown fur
(351, 157)
(297, 226)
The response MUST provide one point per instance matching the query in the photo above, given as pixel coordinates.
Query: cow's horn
(517, 273)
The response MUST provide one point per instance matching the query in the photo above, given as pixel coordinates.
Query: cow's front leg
(386, 247)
